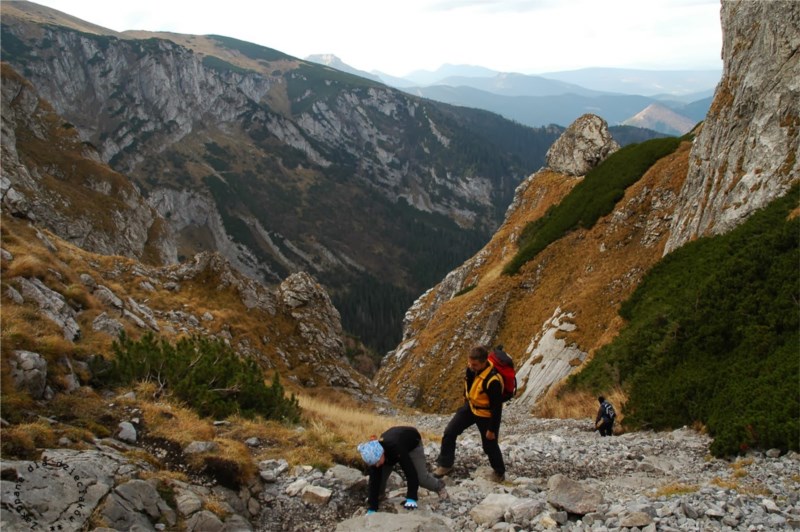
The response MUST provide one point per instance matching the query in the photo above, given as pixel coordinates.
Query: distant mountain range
(618, 95)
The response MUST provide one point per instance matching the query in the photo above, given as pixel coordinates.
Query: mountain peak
(661, 118)
(333, 61)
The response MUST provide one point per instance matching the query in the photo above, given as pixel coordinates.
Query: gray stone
(51, 304)
(107, 297)
(492, 508)
(524, 510)
(316, 494)
(88, 281)
(127, 432)
(134, 503)
(406, 522)
(296, 487)
(62, 483)
(198, 447)
(29, 372)
(14, 296)
(635, 519)
(348, 476)
(567, 494)
(104, 323)
(204, 521)
(745, 155)
(187, 502)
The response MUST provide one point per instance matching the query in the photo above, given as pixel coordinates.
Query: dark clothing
(465, 418)
(461, 421)
(401, 445)
(604, 422)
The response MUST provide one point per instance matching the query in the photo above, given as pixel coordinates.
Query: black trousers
(461, 421)
(607, 427)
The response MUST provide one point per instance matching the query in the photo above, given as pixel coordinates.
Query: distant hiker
(398, 445)
(483, 392)
(604, 422)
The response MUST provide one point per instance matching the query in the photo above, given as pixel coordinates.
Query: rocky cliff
(52, 178)
(748, 152)
(562, 305)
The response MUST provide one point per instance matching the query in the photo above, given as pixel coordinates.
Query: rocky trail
(562, 475)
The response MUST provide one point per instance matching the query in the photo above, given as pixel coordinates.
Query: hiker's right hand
(490, 435)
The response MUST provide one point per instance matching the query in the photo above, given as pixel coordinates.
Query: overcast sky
(399, 36)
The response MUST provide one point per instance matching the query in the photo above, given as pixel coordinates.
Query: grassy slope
(712, 337)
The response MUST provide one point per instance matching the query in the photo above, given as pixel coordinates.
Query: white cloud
(507, 35)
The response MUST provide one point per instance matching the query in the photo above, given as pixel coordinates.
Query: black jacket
(397, 442)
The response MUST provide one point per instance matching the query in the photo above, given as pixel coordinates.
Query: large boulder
(584, 145)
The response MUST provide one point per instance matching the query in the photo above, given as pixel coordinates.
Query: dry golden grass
(175, 423)
(676, 488)
(77, 435)
(216, 507)
(578, 405)
(164, 476)
(740, 467)
(237, 452)
(727, 484)
(140, 455)
(27, 266)
(53, 345)
(350, 421)
(19, 327)
(26, 439)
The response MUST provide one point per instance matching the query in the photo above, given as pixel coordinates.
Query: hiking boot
(441, 471)
(497, 477)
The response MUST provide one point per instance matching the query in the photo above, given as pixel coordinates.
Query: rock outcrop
(298, 330)
(748, 151)
(584, 145)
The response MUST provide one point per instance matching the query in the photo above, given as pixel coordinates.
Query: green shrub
(712, 336)
(590, 199)
(206, 374)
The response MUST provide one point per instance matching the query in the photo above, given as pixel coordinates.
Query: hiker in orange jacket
(483, 390)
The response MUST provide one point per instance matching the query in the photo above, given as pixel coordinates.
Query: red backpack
(505, 367)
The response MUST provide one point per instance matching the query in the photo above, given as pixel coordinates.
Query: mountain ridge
(219, 134)
(536, 100)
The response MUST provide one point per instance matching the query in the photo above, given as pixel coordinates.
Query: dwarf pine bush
(712, 335)
(206, 374)
(590, 199)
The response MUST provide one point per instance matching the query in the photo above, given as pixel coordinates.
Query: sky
(397, 37)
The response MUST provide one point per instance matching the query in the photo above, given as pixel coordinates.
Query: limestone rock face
(584, 145)
(747, 153)
(83, 201)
